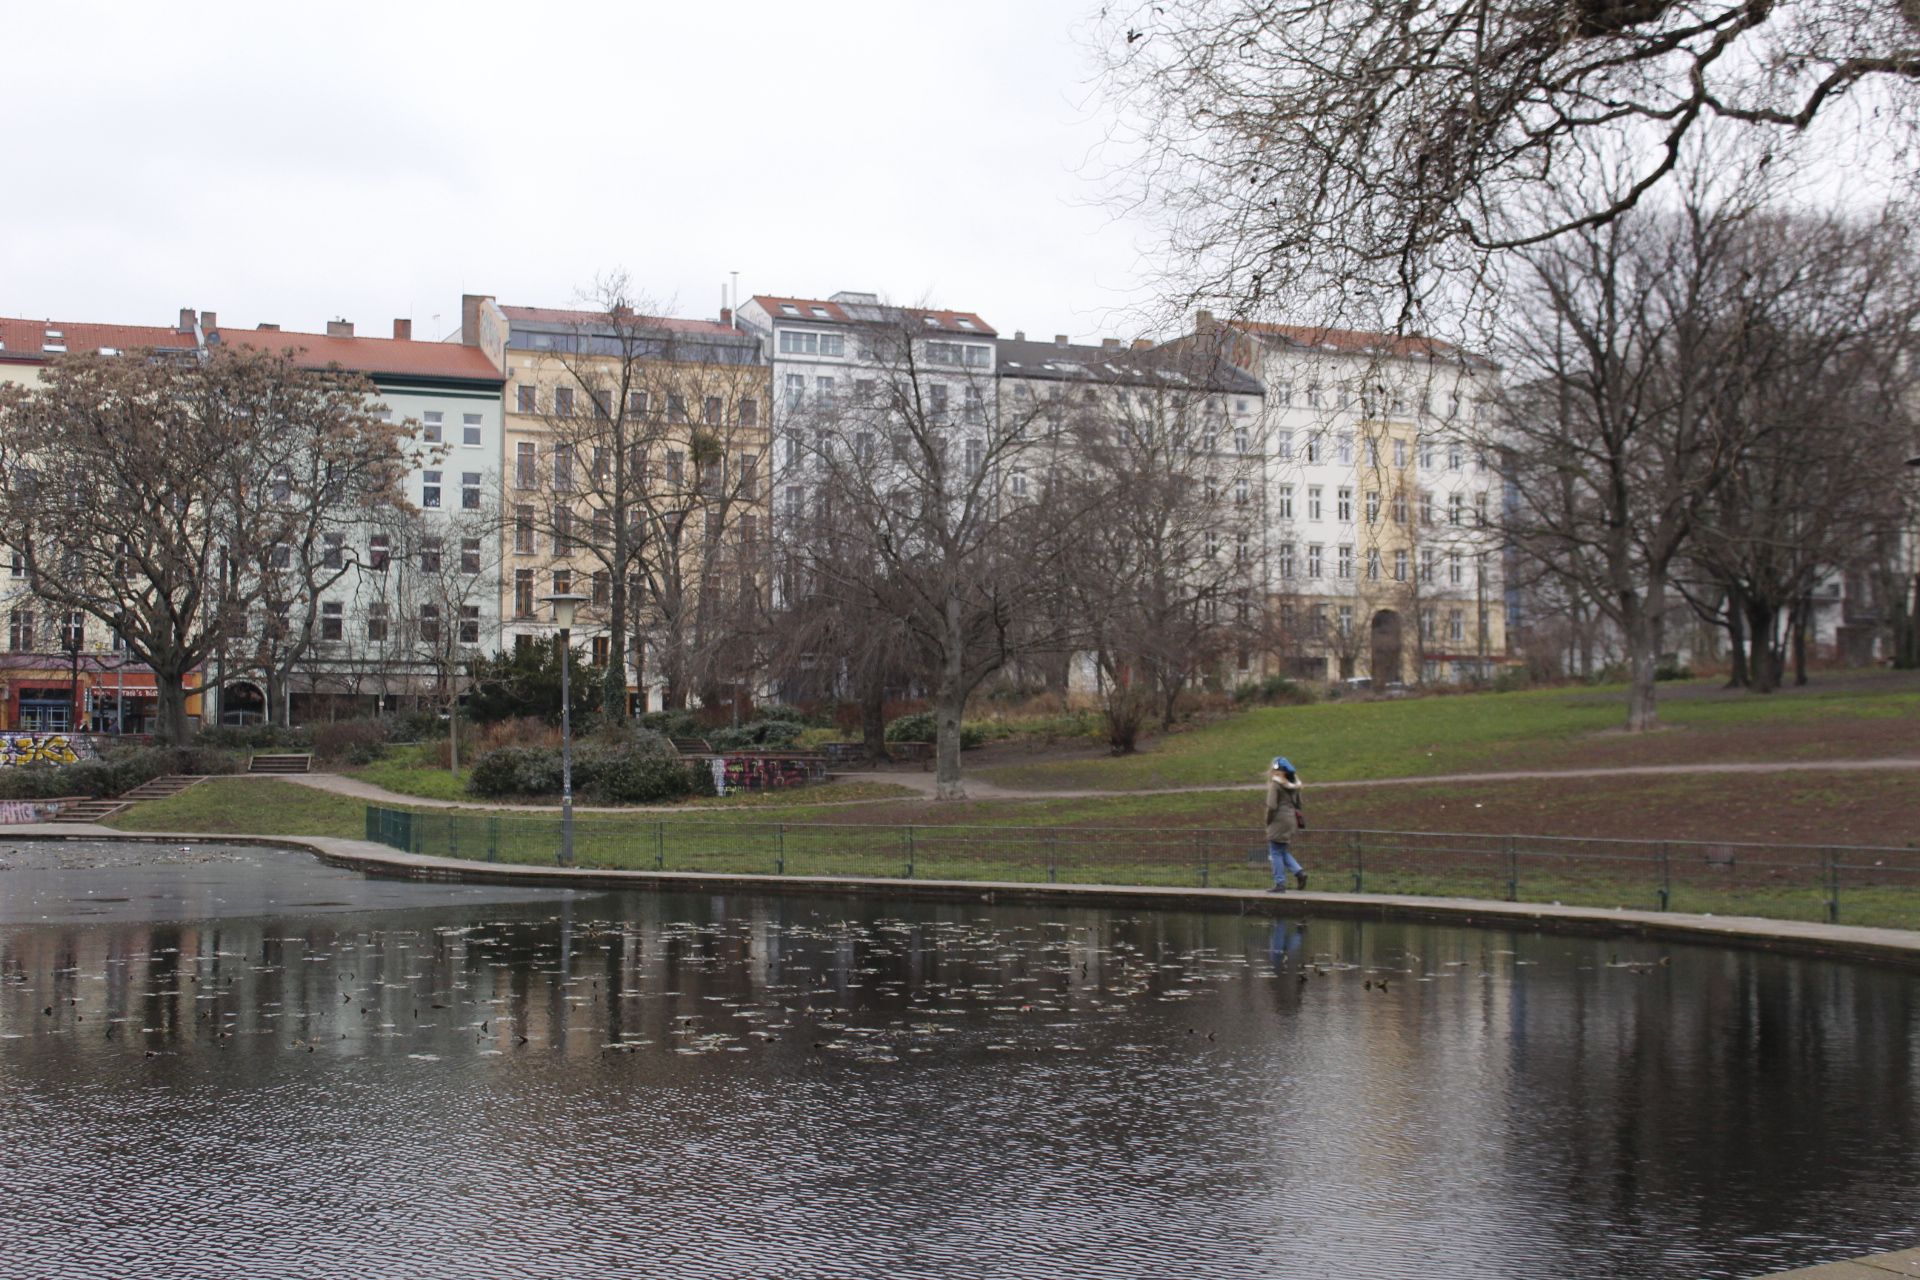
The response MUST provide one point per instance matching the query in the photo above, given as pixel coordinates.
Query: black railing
(1875, 885)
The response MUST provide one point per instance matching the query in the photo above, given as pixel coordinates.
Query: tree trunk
(1766, 654)
(873, 719)
(1799, 621)
(1643, 657)
(171, 725)
(949, 704)
(453, 732)
(1738, 674)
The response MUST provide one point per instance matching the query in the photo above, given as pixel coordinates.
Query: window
(1315, 447)
(602, 587)
(749, 475)
(430, 624)
(20, 630)
(19, 566)
(1426, 453)
(526, 468)
(430, 489)
(1426, 507)
(676, 407)
(796, 390)
(1456, 504)
(823, 388)
(676, 467)
(469, 624)
(470, 430)
(430, 549)
(973, 407)
(749, 412)
(1283, 445)
(1213, 545)
(1242, 548)
(379, 549)
(1399, 453)
(432, 426)
(279, 556)
(713, 410)
(1400, 565)
(1373, 564)
(469, 555)
(1456, 625)
(1454, 572)
(1286, 559)
(1429, 558)
(976, 455)
(1345, 562)
(602, 649)
(1314, 508)
(331, 622)
(562, 530)
(1345, 447)
(811, 342)
(281, 484)
(1480, 509)
(1373, 506)
(1281, 394)
(563, 582)
(796, 499)
(563, 402)
(1315, 567)
(937, 401)
(523, 593)
(377, 621)
(1346, 619)
(333, 550)
(1399, 508)
(526, 399)
(523, 530)
(1453, 457)
(1426, 624)
(1242, 492)
(469, 490)
(1343, 506)
(1283, 506)
(1018, 482)
(73, 632)
(636, 404)
(563, 468)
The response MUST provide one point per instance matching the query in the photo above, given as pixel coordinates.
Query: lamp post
(564, 603)
(73, 640)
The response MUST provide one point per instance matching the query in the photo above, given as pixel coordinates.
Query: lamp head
(564, 604)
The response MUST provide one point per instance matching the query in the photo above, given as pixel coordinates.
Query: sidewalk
(1878, 1267)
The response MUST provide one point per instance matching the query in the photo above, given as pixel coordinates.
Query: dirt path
(923, 783)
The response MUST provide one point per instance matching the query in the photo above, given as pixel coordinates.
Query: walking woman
(1283, 819)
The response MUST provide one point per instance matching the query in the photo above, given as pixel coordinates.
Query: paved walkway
(921, 783)
(1878, 1267)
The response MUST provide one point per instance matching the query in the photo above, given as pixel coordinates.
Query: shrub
(757, 735)
(115, 773)
(522, 731)
(515, 771)
(675, 724)
(355, 741)
(923, 726)
(1512, 680)
(255, 737)
(1273, 691)
(1672, 669)
(635, 777)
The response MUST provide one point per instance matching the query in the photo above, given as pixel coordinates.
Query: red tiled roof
(1351, 341)
(947, 321)
(399, 357)
(27, 339)
(561, 315)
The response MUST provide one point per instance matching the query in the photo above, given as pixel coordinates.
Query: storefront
(38, 694)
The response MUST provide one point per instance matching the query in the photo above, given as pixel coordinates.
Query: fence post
(1359, 861)
(453, 834)
(659, 845)
(493, 838)
(1053, 857)
(413, 833)
(1513, 871)
(909, 852)
(1833, 886)
(780, 851)
(1200, 847)
(1666, 874)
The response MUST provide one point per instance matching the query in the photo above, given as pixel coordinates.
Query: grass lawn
(1871, 715)
(411, 771)
(250, 806)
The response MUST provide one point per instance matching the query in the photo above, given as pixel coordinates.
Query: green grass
(260, 807)
(412, 771)
(1339, 741)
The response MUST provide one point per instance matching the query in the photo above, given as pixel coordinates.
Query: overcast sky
(294, 164)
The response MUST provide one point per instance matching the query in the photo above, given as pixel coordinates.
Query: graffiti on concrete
(12, 811)
(765, 772)
(17, 749)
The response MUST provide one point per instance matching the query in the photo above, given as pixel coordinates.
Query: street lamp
(564, 603)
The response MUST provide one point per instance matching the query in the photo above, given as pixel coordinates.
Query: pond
(218, 1062)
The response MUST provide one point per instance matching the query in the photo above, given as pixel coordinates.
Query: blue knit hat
(1281, 762)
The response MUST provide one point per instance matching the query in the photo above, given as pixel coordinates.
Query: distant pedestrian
(1283, 820)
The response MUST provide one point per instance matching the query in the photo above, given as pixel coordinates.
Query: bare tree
(1361, 150)
(148, 492)
(963, 523)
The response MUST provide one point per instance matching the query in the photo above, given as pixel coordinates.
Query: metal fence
(1872, 885)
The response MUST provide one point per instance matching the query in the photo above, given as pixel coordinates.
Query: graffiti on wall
(18, 749)
(13, 811)
(764, 773)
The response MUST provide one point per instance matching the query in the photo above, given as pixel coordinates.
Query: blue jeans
(1283, 861)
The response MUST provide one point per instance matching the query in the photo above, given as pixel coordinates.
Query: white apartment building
(1381, 503)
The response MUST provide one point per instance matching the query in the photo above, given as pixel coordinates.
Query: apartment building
(1381, 501)
(636, 469)
(64, 671)
(410, 597)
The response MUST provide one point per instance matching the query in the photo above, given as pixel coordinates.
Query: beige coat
(1283, 798)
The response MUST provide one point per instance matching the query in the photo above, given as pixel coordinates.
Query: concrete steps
(100, 810)
(281, 763)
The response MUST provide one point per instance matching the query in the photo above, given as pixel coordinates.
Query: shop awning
(141, 686)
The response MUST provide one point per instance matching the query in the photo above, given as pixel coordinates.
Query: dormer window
(109, 351)
(788, 309)
(822, 313)
(55, 348)
(965, 323)
(55, 335)
(932, 322)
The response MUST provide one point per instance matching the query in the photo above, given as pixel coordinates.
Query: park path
(922, 783)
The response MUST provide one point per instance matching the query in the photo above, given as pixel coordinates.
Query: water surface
(219, 1062)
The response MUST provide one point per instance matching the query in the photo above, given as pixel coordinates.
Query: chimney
(1143, 344)
(339, 328)
(403, 330)
(187, 318)
(1203, 321)
(1109, 344)
(1059, 339)
(270, 328)
(209, 322)
(726, 317)
(1019, 335)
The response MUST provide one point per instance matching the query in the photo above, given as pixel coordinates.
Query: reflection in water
(261, 1066)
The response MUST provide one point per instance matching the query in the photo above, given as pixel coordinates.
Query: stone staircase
(100, 810)
(283, 763)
